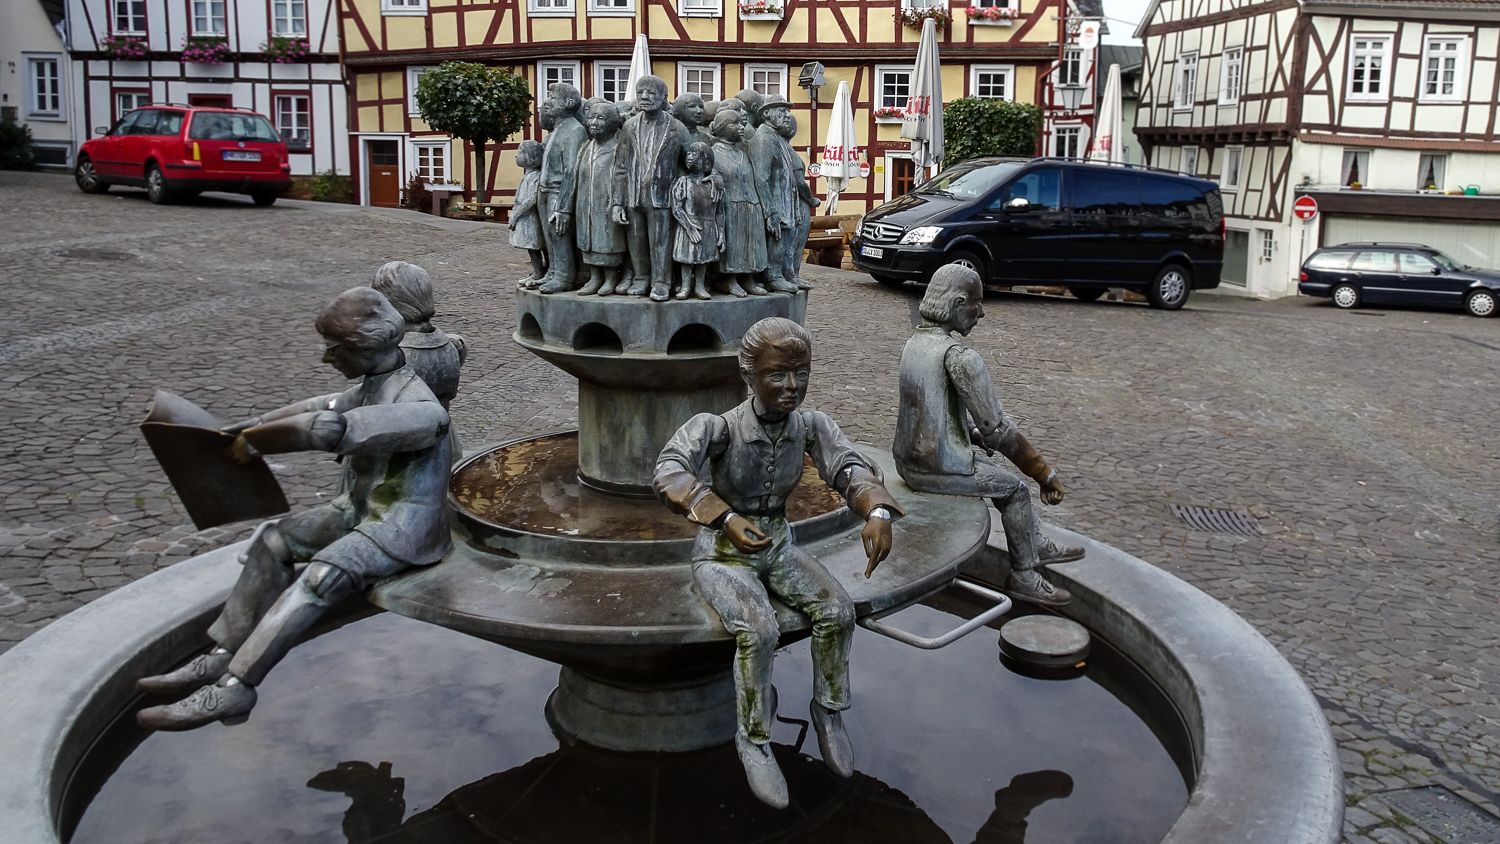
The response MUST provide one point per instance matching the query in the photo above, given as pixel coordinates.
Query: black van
(1056, 222)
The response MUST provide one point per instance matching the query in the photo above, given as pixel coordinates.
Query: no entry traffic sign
(1305, 208)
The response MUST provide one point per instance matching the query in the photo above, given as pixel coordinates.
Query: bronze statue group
(728, 473)
(620, 193)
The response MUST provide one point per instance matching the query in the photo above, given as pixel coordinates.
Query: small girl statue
(698, 207)
(525, 220)
(742, 257)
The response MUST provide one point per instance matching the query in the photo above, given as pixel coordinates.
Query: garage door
(1469, 243)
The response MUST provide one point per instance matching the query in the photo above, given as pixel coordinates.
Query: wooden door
(903, 176)
(383, 174)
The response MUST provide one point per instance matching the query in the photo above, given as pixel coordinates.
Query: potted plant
(285, 49)
(889, 114)
(201, 49)
(125, 48)
(761, 10)
(914, 17)
(991, 15)
(1355, 186)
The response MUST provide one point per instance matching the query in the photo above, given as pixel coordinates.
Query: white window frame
(285, 21)
(1070, 70)
(543, 84)
(1439, 172)
(276, 98)
(412, 75)
(751, 69)
(1460, 56)
(700, 8)
(623, 68)
(682, 77)
(403, 8)
(209, 18)
(599, 9)
(121, 109)
(418, 145)
(881, 70)
(1187, 161)
(1231, 76)
(1366, 52)
(925, 4)
(1234, 167)
(129, 16)
(550, 8)
(1185, 82)
(1073, 131)
(1006, 70)
(45, 103)
(1267, 245)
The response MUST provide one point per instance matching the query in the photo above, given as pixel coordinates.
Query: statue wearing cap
(776, 164)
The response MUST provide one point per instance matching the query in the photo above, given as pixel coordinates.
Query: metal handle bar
(1001, 607)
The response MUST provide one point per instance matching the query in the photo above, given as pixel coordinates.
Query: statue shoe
(766, 781)
(754, 289)
(660, 292)
(781, 285)
(201, 669)
(701, 291)
(230, 703)
(1033, 588)
(802, 283)
(1049, 552)
(638, 287)
(736, 290)
(833, 740)
(556, 285)
(593, 286)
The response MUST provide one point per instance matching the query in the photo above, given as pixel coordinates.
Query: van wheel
(970, 260)
(1086, 294)
(1169, 291)
(1346, 296)
(263, 198)
(156, 186)
(888, 280)
(87, 177)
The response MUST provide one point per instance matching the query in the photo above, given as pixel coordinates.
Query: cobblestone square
(1363, 442)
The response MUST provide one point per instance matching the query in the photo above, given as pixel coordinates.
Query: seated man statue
(753, 455)
(947, 406)
(392, 434)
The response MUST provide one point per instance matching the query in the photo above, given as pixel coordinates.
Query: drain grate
(1208, 519)
(1448, 817)
(86, 254)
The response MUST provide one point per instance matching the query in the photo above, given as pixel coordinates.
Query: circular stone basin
(390, 730)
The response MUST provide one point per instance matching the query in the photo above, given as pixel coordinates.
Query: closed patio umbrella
(839, 164)
(640, 65)
(923, 122)
(1109, 127)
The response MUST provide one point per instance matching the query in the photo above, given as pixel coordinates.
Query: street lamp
(811, 78)
(1068, 96)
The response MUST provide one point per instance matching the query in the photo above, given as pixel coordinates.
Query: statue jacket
(944, 385)
(715, 465)
(436, 357)
(395, 452)
(646, 160)
(560, 162)
(769, 154)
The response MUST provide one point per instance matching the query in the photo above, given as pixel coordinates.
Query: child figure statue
(743, 256)
(601, 240)
(744, 551)
(525, 219)
(698, 206)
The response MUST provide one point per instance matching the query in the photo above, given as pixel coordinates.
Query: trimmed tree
(474, 102)
(974, 126)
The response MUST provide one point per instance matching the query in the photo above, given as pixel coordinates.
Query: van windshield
(223, 126)
(968, 181)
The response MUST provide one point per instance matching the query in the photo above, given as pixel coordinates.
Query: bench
(828, 237)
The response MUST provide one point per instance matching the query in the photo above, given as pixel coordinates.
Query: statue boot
(781, 285)
(802, 283)
(228, 700)
(660, 291)
(1027, 585)
(766, 781)
(753, 286)
(833, 739)
(1049, 552)
(199, 671)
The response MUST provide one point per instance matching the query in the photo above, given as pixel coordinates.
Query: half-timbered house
(997, 48)
(33, 86)
(1385, 113)
(277, 57)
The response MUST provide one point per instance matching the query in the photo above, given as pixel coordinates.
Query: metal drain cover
(1448, 817)
(1218, 521)
(87, 254)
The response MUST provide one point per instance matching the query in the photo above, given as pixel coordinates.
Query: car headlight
(921, 235)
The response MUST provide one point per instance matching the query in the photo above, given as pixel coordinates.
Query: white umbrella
(923, 122)
(640, 66)
(1108, 126)
(840, 149)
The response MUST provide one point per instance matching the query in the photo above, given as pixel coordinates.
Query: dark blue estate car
(1352, 274)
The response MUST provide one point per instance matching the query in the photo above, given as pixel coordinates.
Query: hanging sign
(864, 169)
(1088, 35)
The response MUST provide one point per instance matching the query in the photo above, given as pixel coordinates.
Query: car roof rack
(1383, 243)
(189, 105)
(1129, 166)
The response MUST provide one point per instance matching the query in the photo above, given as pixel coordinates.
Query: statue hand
(817, 203)
(241, 451)
(744, 535)
(561, 220)
(695, 233)
(877, 539)
(1052, 491)
(617, 213)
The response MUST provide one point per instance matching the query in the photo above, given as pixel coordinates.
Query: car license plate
(872, 251)
(241, 155)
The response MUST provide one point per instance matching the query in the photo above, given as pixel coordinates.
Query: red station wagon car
(182, 150)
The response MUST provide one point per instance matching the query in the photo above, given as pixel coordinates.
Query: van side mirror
(1019, 205)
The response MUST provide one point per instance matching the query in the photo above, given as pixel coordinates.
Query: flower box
(126, 48)
(761, 11)
(200, 50)
(991, 15)
(890, 115)
(915, 17)
(285, 49)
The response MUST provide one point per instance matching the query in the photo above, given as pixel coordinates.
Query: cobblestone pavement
(1363, 442)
